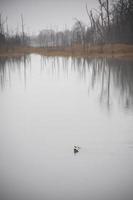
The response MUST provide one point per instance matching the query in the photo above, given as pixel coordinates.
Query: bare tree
(23, 33)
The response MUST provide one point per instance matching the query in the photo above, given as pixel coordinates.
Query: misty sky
(41, 14)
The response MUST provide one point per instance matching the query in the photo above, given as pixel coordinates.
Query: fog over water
(47, 106)
(42, 14)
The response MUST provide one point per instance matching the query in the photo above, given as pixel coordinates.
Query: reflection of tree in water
(10, 65)
(112, 78)
(122, 77)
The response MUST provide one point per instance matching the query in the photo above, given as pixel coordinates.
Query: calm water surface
(48, 105)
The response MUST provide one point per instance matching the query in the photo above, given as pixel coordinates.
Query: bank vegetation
(109, 32)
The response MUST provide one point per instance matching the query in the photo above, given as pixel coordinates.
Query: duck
(76, 149)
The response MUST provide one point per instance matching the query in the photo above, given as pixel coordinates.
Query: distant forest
(111, 22)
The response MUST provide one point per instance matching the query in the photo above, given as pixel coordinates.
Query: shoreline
(120, 51)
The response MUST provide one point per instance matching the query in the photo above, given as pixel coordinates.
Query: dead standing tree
(100, 22)
(82, 31)
(2, 32)
(96, 27)
(106, 7)
(23, 33)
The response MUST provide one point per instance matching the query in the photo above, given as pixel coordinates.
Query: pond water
(50, 104)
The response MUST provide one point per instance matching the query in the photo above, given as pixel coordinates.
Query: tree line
(10, 39)
(111, 22)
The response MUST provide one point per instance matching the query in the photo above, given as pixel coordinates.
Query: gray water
(48, 105)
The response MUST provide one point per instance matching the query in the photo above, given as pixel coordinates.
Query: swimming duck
(76, 149)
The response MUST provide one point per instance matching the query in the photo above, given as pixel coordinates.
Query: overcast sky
(41, 14)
